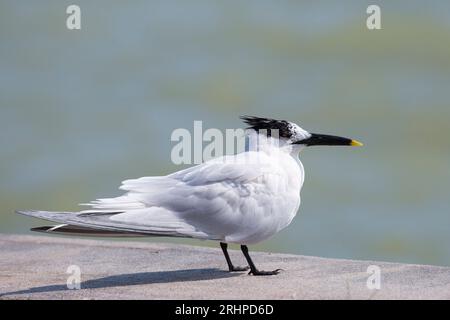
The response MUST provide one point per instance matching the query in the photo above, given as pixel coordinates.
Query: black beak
(327, 140)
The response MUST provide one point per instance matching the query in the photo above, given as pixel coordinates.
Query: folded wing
(199, 202)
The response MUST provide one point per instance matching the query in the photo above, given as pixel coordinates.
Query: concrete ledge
(34, 267)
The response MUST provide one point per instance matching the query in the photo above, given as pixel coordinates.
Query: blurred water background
(80, 111)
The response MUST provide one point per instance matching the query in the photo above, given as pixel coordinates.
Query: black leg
(231, 268)
(253, 269)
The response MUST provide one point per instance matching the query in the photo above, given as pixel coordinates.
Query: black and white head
(293, 134)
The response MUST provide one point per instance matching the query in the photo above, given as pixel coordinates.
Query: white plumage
(244, 198)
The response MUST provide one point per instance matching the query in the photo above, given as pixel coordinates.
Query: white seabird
(244, 198)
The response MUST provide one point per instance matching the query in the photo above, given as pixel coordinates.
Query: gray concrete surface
(34, 267)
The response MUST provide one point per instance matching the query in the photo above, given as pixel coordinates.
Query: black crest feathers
(284, 127)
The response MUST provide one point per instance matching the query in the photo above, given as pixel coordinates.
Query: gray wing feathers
(198, 202)
(104, 221)
(66, 229)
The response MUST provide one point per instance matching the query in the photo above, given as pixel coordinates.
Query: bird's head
(291, 134)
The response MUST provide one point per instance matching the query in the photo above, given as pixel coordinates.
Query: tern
(241, 199)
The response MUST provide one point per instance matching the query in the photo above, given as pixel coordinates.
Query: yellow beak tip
(356, 143)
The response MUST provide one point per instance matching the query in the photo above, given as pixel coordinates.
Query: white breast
(273, 202)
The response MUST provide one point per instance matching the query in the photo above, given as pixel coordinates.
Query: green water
(81, 111)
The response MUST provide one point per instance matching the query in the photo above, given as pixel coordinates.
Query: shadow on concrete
(132, 279)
